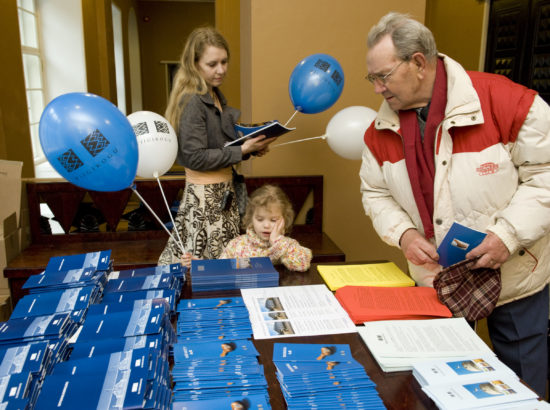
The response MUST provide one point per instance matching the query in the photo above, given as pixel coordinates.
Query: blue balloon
(89, 141)
(316, 83)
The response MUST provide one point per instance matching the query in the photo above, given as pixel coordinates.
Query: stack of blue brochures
(126, 286)
(74, 301)
(31, 362)
(100, 261)
(29, 348)
(236, 273)
(141, 317)
(323, 376)
(131, 379)
(15, 392)
(120, 359)
(50, 328)
(215, 365)
(213, 319)
(61, 280)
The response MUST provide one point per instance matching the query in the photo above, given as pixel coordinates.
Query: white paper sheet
(295, 311)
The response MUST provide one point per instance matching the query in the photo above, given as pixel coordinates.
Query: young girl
(268, 216)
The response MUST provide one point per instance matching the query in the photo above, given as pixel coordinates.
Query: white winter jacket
(498, 183)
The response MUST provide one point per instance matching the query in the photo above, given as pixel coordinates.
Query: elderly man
(450, 145)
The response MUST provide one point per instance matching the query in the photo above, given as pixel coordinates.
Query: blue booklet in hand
(457, 243)
(270, 129)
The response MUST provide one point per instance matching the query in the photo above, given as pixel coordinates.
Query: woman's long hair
(188, 80)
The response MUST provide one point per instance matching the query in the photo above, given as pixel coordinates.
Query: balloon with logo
(346, 129)
(316, 83)
(157, 143)
(89, 141)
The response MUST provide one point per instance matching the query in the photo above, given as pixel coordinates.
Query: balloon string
(294, 142)
(157, 218)
(180, 242)
(291, 117)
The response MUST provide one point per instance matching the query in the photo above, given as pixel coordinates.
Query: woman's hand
(257, 144)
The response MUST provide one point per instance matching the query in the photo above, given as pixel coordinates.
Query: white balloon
(157, 143)
(346, 129)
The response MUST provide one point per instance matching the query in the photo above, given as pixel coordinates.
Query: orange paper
(368, 303)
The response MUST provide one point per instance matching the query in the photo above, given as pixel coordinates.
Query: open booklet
(270, 129)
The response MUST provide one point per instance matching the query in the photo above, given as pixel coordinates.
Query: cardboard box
(10, 247)
(10, 214)
(10, 192)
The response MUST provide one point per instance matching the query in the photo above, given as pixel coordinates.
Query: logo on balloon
(70, 161)
(95, 143)
(157, 143)
(162, 127)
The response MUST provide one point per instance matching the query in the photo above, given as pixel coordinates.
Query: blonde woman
(207, 218)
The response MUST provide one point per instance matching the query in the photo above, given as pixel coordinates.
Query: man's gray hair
(408, 35)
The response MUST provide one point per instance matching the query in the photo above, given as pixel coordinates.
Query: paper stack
(114, 320)
(215, 365)
(137, 378)
(120, 359)
(473, 382)
(74, 301)
(29, 364)
(100, 261)
(323, 376)
(398, 344)
(59, 280)
(213, 319)
(237, 273)
(368, 274)
(26, 360)
(155, 282)
(368, 303)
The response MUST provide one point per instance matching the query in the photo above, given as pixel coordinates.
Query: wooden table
(133, 254)
(398, 390)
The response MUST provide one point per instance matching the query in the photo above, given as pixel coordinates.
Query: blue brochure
(259, 402)
(174, 268)
(457, 243)
(97, 260)
(47, 303)
(214, 350)
(120, 344)
(209, 303)
(269, 129)
(311, 352)
(64, 279)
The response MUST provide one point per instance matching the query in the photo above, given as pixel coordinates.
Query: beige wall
(15, 139)
(281, 34)
(459, 30)
(163, 29)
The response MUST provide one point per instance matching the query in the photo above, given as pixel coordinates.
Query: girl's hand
(185, 259)
(277, 231)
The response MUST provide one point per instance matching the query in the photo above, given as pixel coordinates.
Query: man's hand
(418, 250)
(491, 251)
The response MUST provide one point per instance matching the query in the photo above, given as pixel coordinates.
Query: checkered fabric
(468, 293)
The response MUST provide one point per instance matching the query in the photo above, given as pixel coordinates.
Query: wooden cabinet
(518, 43)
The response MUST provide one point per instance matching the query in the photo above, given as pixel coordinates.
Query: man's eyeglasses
(383, 79)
